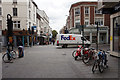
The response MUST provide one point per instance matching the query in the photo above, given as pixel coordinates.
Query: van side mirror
(82, 38)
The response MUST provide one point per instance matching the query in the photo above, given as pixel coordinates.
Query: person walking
(53, 41)
(20, 49)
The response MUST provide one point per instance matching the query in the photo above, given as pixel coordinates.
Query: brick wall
(92, 14)
(82, 15)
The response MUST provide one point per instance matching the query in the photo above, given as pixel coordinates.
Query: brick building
(87, 14)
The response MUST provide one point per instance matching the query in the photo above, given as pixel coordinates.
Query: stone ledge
(115, 54)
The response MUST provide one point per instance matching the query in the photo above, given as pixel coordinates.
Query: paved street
(51, 62)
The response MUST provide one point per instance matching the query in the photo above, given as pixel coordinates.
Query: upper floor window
(29, 24)
(99, 20)
(86, 21)
(16, 24)
(14, 11)
(29, 14)
(14, 1)
(77, 23)
(29, 4)
(34, 17)
(0, 11)
(77, 11)
(0, 1)
(86, 10)
(97, 12)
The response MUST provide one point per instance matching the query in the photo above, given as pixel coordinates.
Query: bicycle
(77, 52)
(100, 62)
(9, 55)
(86, 58)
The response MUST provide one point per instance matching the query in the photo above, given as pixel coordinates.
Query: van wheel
(87, 45)
(64, 46)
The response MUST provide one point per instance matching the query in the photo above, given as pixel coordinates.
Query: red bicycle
(90, 55)
(86, 55)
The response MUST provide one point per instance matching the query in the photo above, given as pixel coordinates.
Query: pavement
(55, 62)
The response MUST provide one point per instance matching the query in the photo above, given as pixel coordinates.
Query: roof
(83, 3)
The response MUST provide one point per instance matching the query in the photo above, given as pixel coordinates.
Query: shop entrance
(102, 38)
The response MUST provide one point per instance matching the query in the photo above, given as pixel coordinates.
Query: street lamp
(97, 37)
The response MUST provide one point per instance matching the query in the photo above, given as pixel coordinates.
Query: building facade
(112, 8)
(43, 29)
(23, 14)
(26, 24)
(87, 14)
(0, 25)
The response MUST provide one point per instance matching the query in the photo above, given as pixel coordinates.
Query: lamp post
(97, 37)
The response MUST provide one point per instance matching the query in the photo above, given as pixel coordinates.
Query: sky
(57, 11)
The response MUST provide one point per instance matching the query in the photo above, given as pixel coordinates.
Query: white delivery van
(71, 39)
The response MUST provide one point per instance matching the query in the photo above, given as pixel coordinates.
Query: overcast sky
(57, 11)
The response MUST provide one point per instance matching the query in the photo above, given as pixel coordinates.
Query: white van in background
(71, 39)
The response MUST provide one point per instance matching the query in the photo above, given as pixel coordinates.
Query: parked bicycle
(77, 53)
(100, 62)
(89, 56)
(9, 55)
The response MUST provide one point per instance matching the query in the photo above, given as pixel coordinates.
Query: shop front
(116, 34)
(90, 33)
(114, 10)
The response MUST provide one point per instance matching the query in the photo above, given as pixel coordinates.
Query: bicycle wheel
(85, 58)
(5, 58)
(95, 66)
(101, 67)
(14, 54)
(74, 53)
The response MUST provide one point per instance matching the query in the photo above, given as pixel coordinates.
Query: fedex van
(71, 39)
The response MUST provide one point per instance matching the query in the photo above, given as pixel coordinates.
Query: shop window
(116, 35)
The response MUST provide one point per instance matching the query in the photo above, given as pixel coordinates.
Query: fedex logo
(67, 38)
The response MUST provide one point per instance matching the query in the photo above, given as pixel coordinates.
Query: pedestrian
(53, 41)
(20, 49)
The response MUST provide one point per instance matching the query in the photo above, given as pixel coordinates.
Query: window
(86, 21)
(0, 24)
(0, 1)
(0, 11)
(34, 17)
(16, 24)
(29, 24)
(77, 24)
(14, 1)
(86, 10)
(14, 11)
(99, 20)
(29, 14)
(97, 12)
(29, 4)
(45, 29)
(77, 11)
(116, 34)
